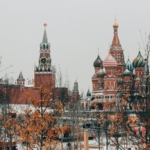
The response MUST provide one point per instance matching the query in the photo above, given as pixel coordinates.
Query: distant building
(75, 93)
(85, 100)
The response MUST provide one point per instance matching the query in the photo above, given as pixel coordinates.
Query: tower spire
(115, 42)
(20, 79)
(45, 39)
(116, 48)
(20, 75)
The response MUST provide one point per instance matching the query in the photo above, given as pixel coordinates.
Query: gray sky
(76, 28)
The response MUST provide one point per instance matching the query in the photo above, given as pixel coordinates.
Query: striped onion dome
(129, 65)
(138, 61)
(100, 73)
(98, 62)
(127, 73)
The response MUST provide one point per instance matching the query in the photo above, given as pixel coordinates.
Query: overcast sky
(76, 28)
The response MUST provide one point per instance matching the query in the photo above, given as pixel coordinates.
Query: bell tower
(44, 70)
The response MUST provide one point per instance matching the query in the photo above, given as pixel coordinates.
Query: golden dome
(115, 24)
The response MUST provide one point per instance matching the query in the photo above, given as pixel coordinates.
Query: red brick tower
(117, 51)
(44, 71)
(75, 93)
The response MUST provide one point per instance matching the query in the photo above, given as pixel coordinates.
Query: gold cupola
(115, 24)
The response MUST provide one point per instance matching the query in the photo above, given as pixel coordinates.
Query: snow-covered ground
(93, 145)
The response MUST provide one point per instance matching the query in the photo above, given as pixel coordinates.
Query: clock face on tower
(43, 60)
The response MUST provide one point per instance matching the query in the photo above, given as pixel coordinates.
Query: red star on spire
(45, 25)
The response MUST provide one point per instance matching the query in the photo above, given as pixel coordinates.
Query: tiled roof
(109, 61)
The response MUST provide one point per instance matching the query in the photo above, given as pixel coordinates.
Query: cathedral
(112, 72)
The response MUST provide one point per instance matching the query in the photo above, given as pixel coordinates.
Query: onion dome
(110, 61)
(98, 62)
(138, 61)
(129, 65)
(115, 24)
(100, 73)
(127, 73)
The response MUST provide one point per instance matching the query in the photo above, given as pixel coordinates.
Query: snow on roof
(29, 85)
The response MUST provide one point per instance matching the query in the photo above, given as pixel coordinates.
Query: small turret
(127, 73)
(75, 93)
(20, 79)
(75, 88)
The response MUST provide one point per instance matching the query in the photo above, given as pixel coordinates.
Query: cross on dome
(98, 50)
(115, 24)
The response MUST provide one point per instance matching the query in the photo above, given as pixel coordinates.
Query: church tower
(116, 50)
(44, 71)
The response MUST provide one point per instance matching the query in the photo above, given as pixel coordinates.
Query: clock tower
(44, 71)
